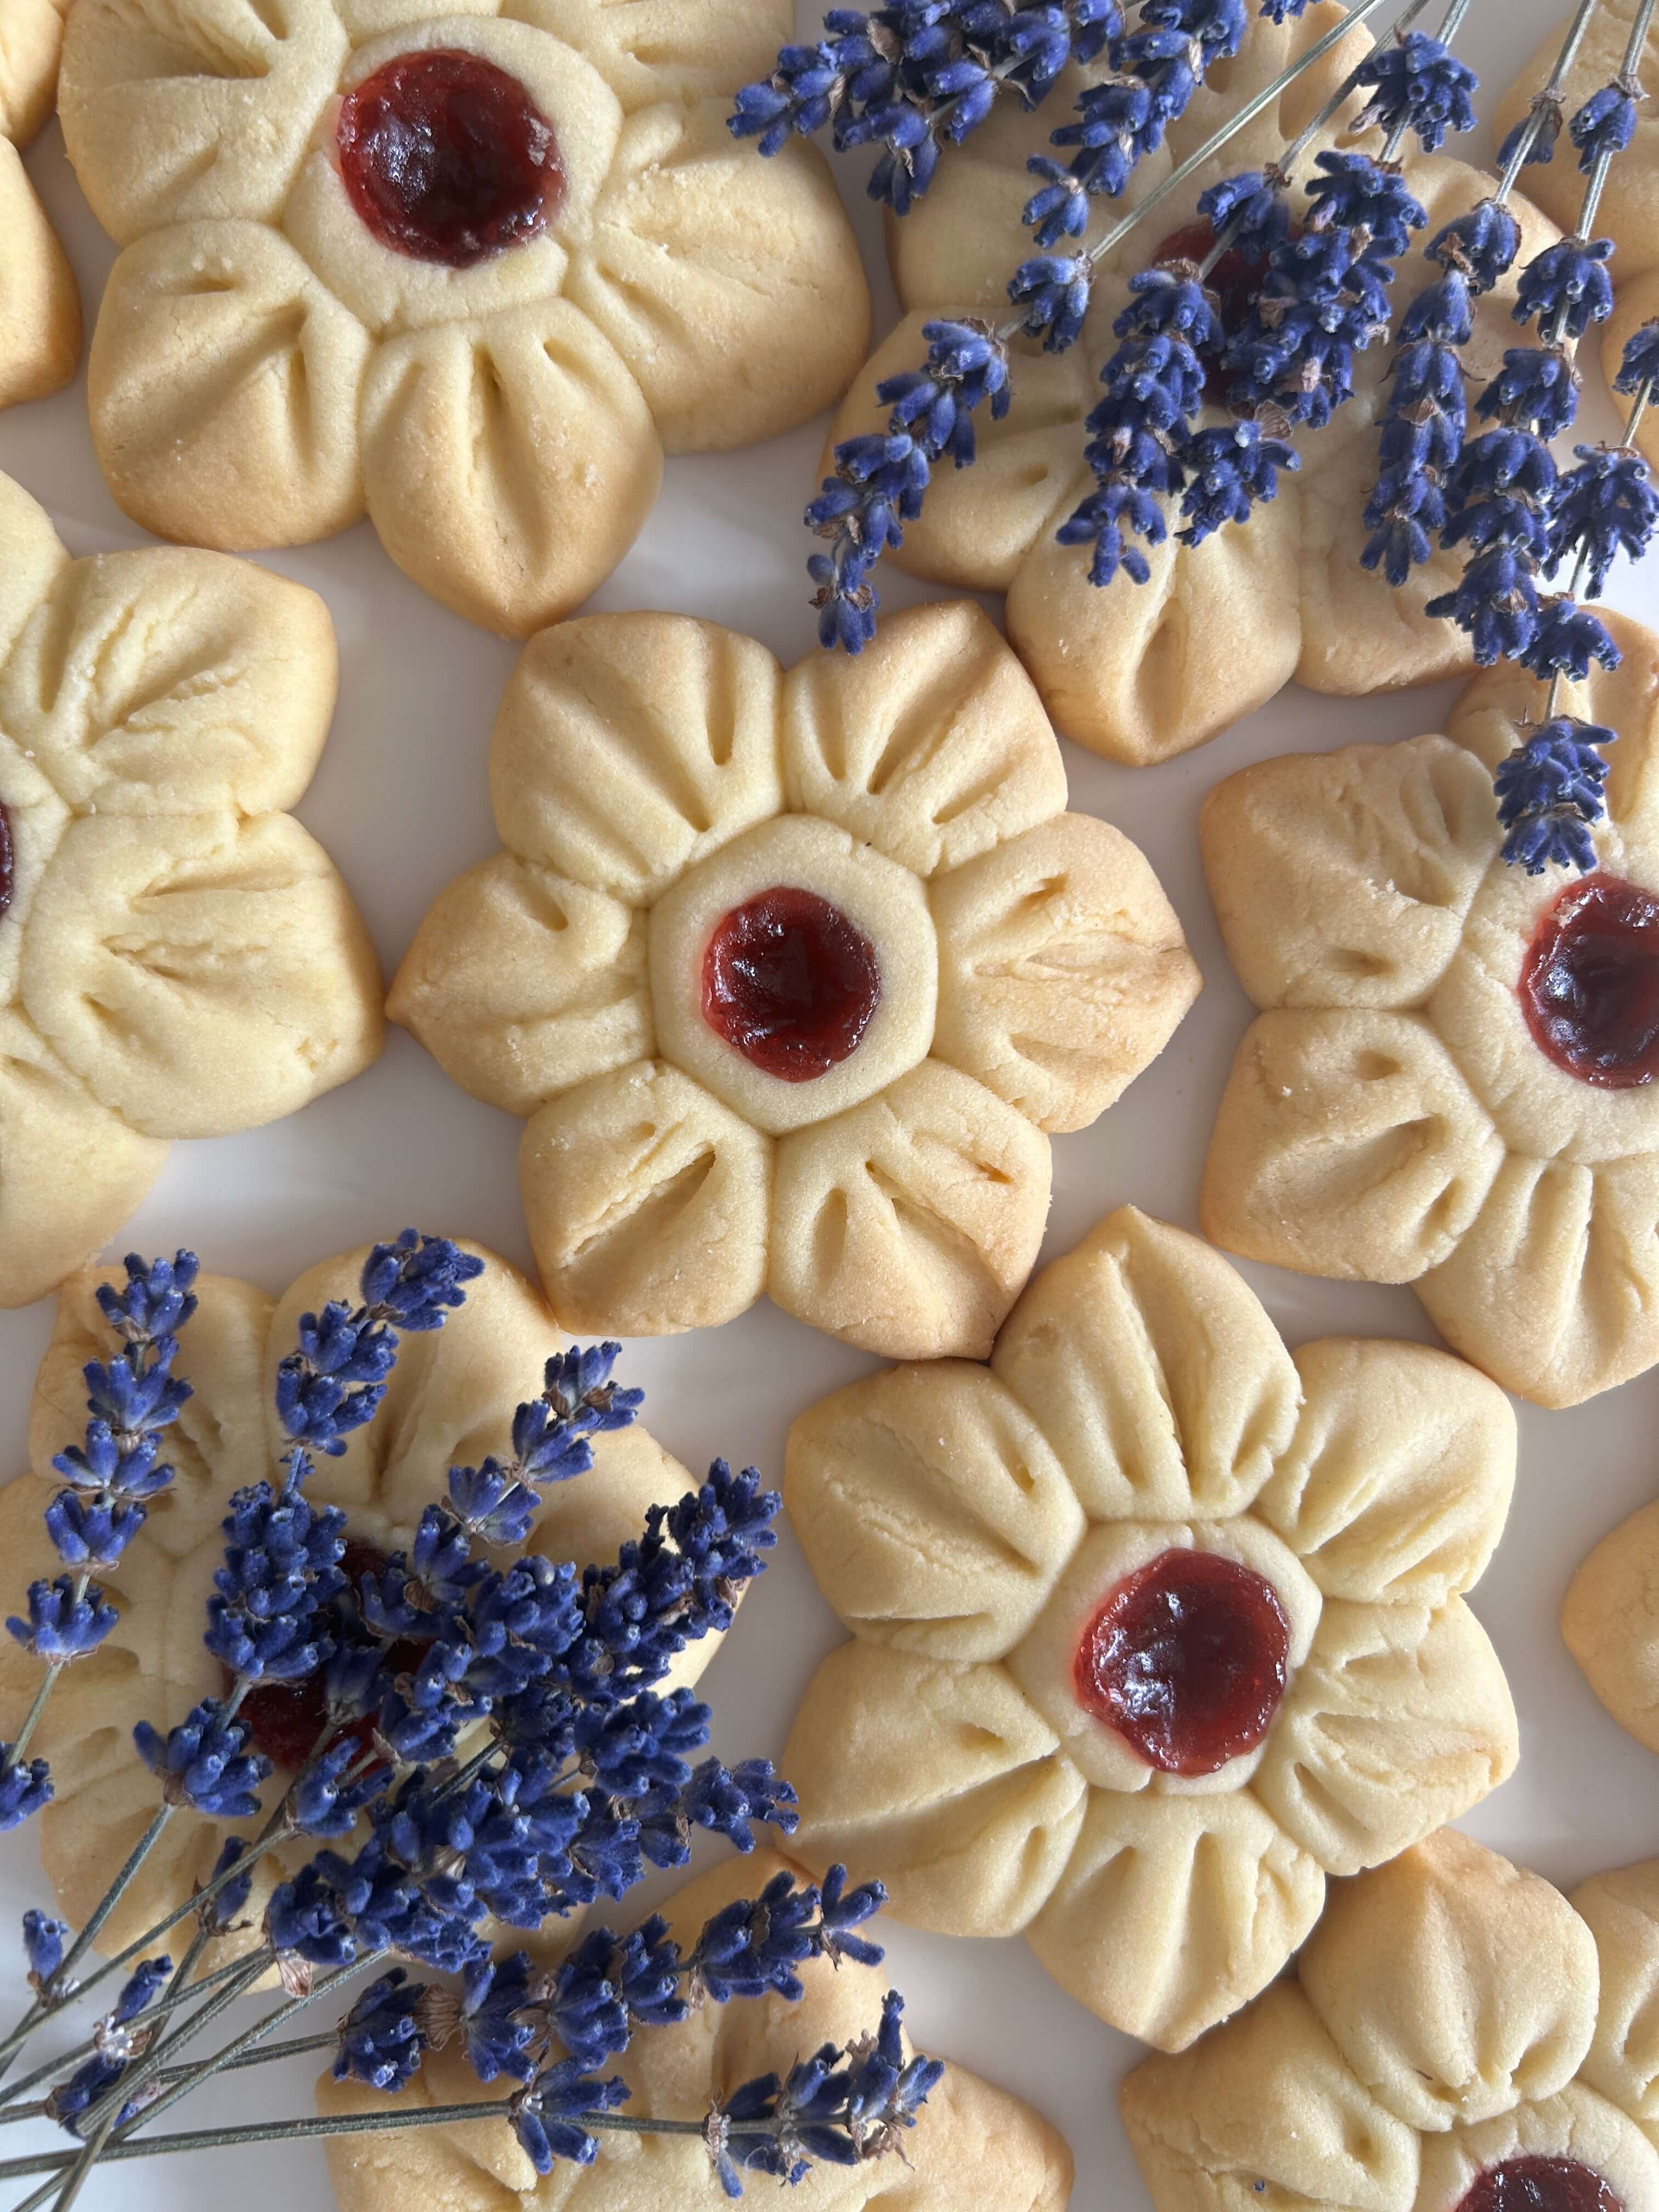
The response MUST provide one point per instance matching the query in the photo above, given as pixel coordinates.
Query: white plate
(400, 803)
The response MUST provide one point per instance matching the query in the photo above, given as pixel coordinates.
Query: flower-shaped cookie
(1458, 2036)
(1451, 1082)
(972, 2144)
(178, 956)
(1153, 1627)
(39, 306)
(475, 271)
(1610, 1623)
(791, 974)
(1139, 672)
(1629, 209)
(450, 1401)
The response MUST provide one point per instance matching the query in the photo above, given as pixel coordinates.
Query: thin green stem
(298, 2046)
(151, 2015)
(31, 1718)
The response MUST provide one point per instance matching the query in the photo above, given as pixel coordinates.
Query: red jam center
(1186, 1657)
(1590, 984)
(1235, 280)
(285, 1719)
(7, 861)
(790, 983)
(446, 158)
(1540, 2185)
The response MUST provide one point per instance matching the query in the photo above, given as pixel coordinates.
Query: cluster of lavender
(492, 1749)
(1320, 290)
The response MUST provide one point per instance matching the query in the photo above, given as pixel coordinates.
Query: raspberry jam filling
(285, 1719)
(446, 158)
(8, 862)
(1540, 2185)
(1188, 1658)
(790, 983)
(1235, 280)
(1590, 984)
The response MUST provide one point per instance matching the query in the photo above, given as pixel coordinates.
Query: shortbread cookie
(972, 2144)
(491, 354)
(1154, 1627)
(1139, 672)
(178, 956)
(1610, 1622)
(39, 306)
(1450, 1083)
(451, 1401)
(1459, 2037)
(791, 974)
(1629, 212)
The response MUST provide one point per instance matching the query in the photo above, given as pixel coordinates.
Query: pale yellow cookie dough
(972, 2144)
(450, 1402)
(39, 306)
(650, 774)
(967, 1522)
(178, 956)
(264, 369)
(1389, 1117)
(1448, 2014)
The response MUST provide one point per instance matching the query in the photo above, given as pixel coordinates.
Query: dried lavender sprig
(1543, 116)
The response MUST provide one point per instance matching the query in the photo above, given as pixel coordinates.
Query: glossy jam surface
(790, 983)
(1235, 280)
(1590, 984)
(1188, 1658)
(446, 158)
(285, 1720)
(7, 861)
(1540, 2185)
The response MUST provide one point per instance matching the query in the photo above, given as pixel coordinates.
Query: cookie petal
(1342, 879)
(1142, 672)
(648, 1205)
(1264, 2100)
(30, 44)
(509, 462)
(39, 306)
(730, 286)
(521, 985)
(177, 110)
(1400, 1719)
(1622, 1911)
(1063, 972)
(932, 1514)
(1454, 1983)
(1610, 1623)
(223, 384)
(908, 1225)
(1399, 1477)
(1348, 1145)
(219, 1442)
(1174, 1911)
(679, 49)
(1554, 1291)
(629, 747)
(201, 973)
(977, 525)
(1154, 1372)
(940, 1780)
(31, 559)
(70, 1171)
(172, 682)
(932, 745)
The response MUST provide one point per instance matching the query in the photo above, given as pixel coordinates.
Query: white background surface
(400, 803)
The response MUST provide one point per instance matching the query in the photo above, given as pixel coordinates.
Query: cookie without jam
(1629, 209)
(1449, 1084)
(474, 274)
(178, 956)
(973, 2144)
(791, 976)
(450, 1402)
(1154, 1627)
(1140, 671)
(39, 306)
(1458, 2036)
